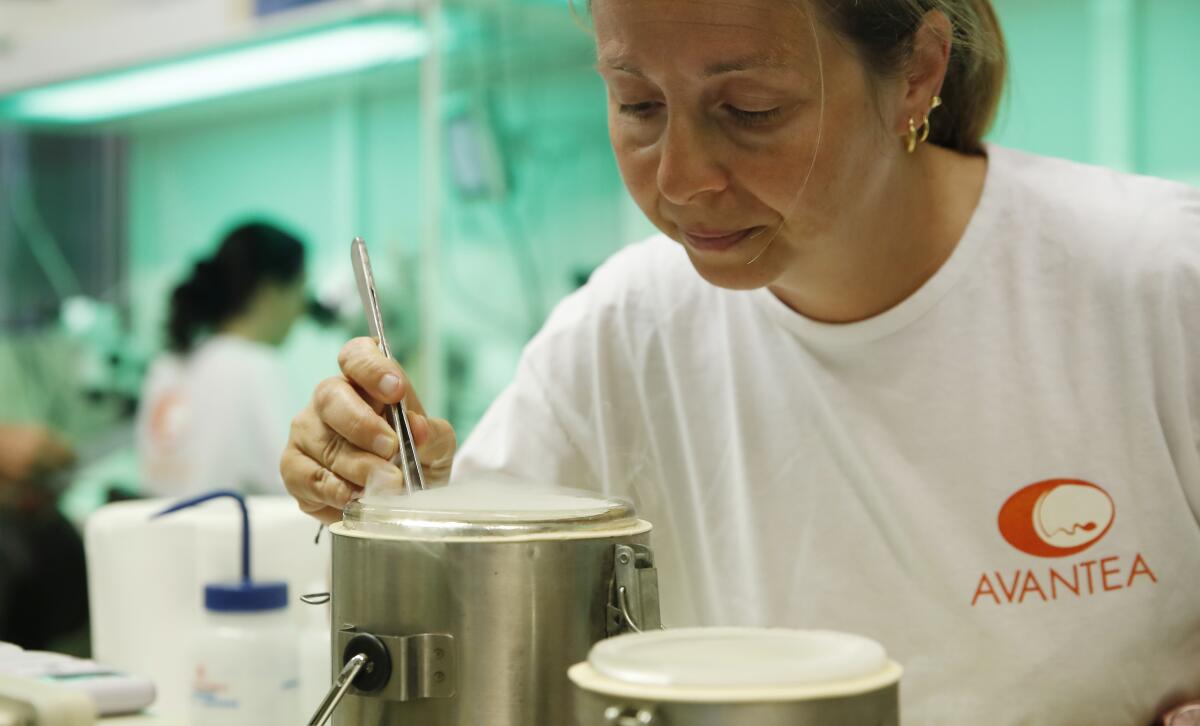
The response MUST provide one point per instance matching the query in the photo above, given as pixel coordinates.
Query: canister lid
(492, 509)
(712, 661)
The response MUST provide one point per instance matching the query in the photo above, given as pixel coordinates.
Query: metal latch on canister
(633, 603)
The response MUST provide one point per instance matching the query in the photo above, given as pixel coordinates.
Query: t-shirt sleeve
(1189, 309)
(530, 431)
(1178, 223)
(574, 414)
(521, 436)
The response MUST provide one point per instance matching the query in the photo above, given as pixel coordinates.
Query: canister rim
(634, 527)
(587, 678)
(763, 662)
(494, 509)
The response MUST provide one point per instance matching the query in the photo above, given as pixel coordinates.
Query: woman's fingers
(314, 486)
(436, 444)
(340, 407)
(376, 405)
(381, 377)
(341, 443)
(327, 515)
(327, 448)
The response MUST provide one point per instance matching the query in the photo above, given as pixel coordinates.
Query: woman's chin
(734, 274)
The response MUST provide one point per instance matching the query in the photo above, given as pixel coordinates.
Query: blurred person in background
(213, 411)
(43, 583)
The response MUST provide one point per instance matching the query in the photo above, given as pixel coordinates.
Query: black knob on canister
(374, 675)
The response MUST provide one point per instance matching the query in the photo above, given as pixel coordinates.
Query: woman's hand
(340, 441)
(1187, 714)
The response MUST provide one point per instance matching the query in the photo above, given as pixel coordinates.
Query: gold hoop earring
(915, 135)
(937, 101)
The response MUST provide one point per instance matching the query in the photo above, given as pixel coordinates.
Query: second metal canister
(737, 676)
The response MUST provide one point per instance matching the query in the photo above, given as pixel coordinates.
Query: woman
(936, 392)
(213, 411)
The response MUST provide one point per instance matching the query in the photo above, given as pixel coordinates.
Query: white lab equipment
(245, 658)
(109, 691)
(146, 580)
(29, 702)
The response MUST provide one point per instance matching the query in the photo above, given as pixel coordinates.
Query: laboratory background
(464, 140)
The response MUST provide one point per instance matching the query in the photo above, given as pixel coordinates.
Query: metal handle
(628, 716)
(623, 606)
(315, 598)
(633, 602)
(341, 685)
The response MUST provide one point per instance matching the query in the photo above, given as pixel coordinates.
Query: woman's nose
(687, 165)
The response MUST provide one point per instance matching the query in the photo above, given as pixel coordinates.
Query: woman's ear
(926, 68)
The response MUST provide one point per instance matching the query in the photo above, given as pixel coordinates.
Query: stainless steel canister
(475, 615)
(737, 676)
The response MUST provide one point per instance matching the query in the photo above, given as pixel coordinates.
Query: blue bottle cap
(245, 597)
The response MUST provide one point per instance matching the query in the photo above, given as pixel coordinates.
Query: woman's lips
(717, 241)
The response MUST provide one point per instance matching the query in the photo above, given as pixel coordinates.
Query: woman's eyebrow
(748, 63)
(737, 65)
(619, 65)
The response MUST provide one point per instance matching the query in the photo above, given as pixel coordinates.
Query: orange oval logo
(1057, 517)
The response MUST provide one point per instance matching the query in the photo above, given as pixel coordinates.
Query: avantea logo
(1057, 517)
(1053, 519)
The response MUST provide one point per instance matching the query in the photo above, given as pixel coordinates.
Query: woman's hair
(221, 286)
(882, 31)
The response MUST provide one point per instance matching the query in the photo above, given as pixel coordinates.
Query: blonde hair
(882, 32)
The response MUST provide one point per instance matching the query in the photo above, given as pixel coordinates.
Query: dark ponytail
(883, 32)
(220, 287)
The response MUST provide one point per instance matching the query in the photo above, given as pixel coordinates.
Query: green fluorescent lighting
(324, 53)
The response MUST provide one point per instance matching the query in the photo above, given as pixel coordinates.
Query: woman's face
(287, 302)
(715, 110)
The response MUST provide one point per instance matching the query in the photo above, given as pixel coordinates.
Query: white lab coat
(214, 419)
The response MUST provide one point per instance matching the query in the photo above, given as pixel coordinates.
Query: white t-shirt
(999, 478)
(215, 419)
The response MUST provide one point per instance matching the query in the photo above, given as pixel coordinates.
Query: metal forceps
(396, 414)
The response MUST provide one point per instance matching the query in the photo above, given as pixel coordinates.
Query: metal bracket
(423, 666)
(633, 599)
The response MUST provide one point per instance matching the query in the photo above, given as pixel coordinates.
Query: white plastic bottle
(246, 658)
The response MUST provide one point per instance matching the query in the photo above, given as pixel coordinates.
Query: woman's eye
(753, 118)
(645, 109)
